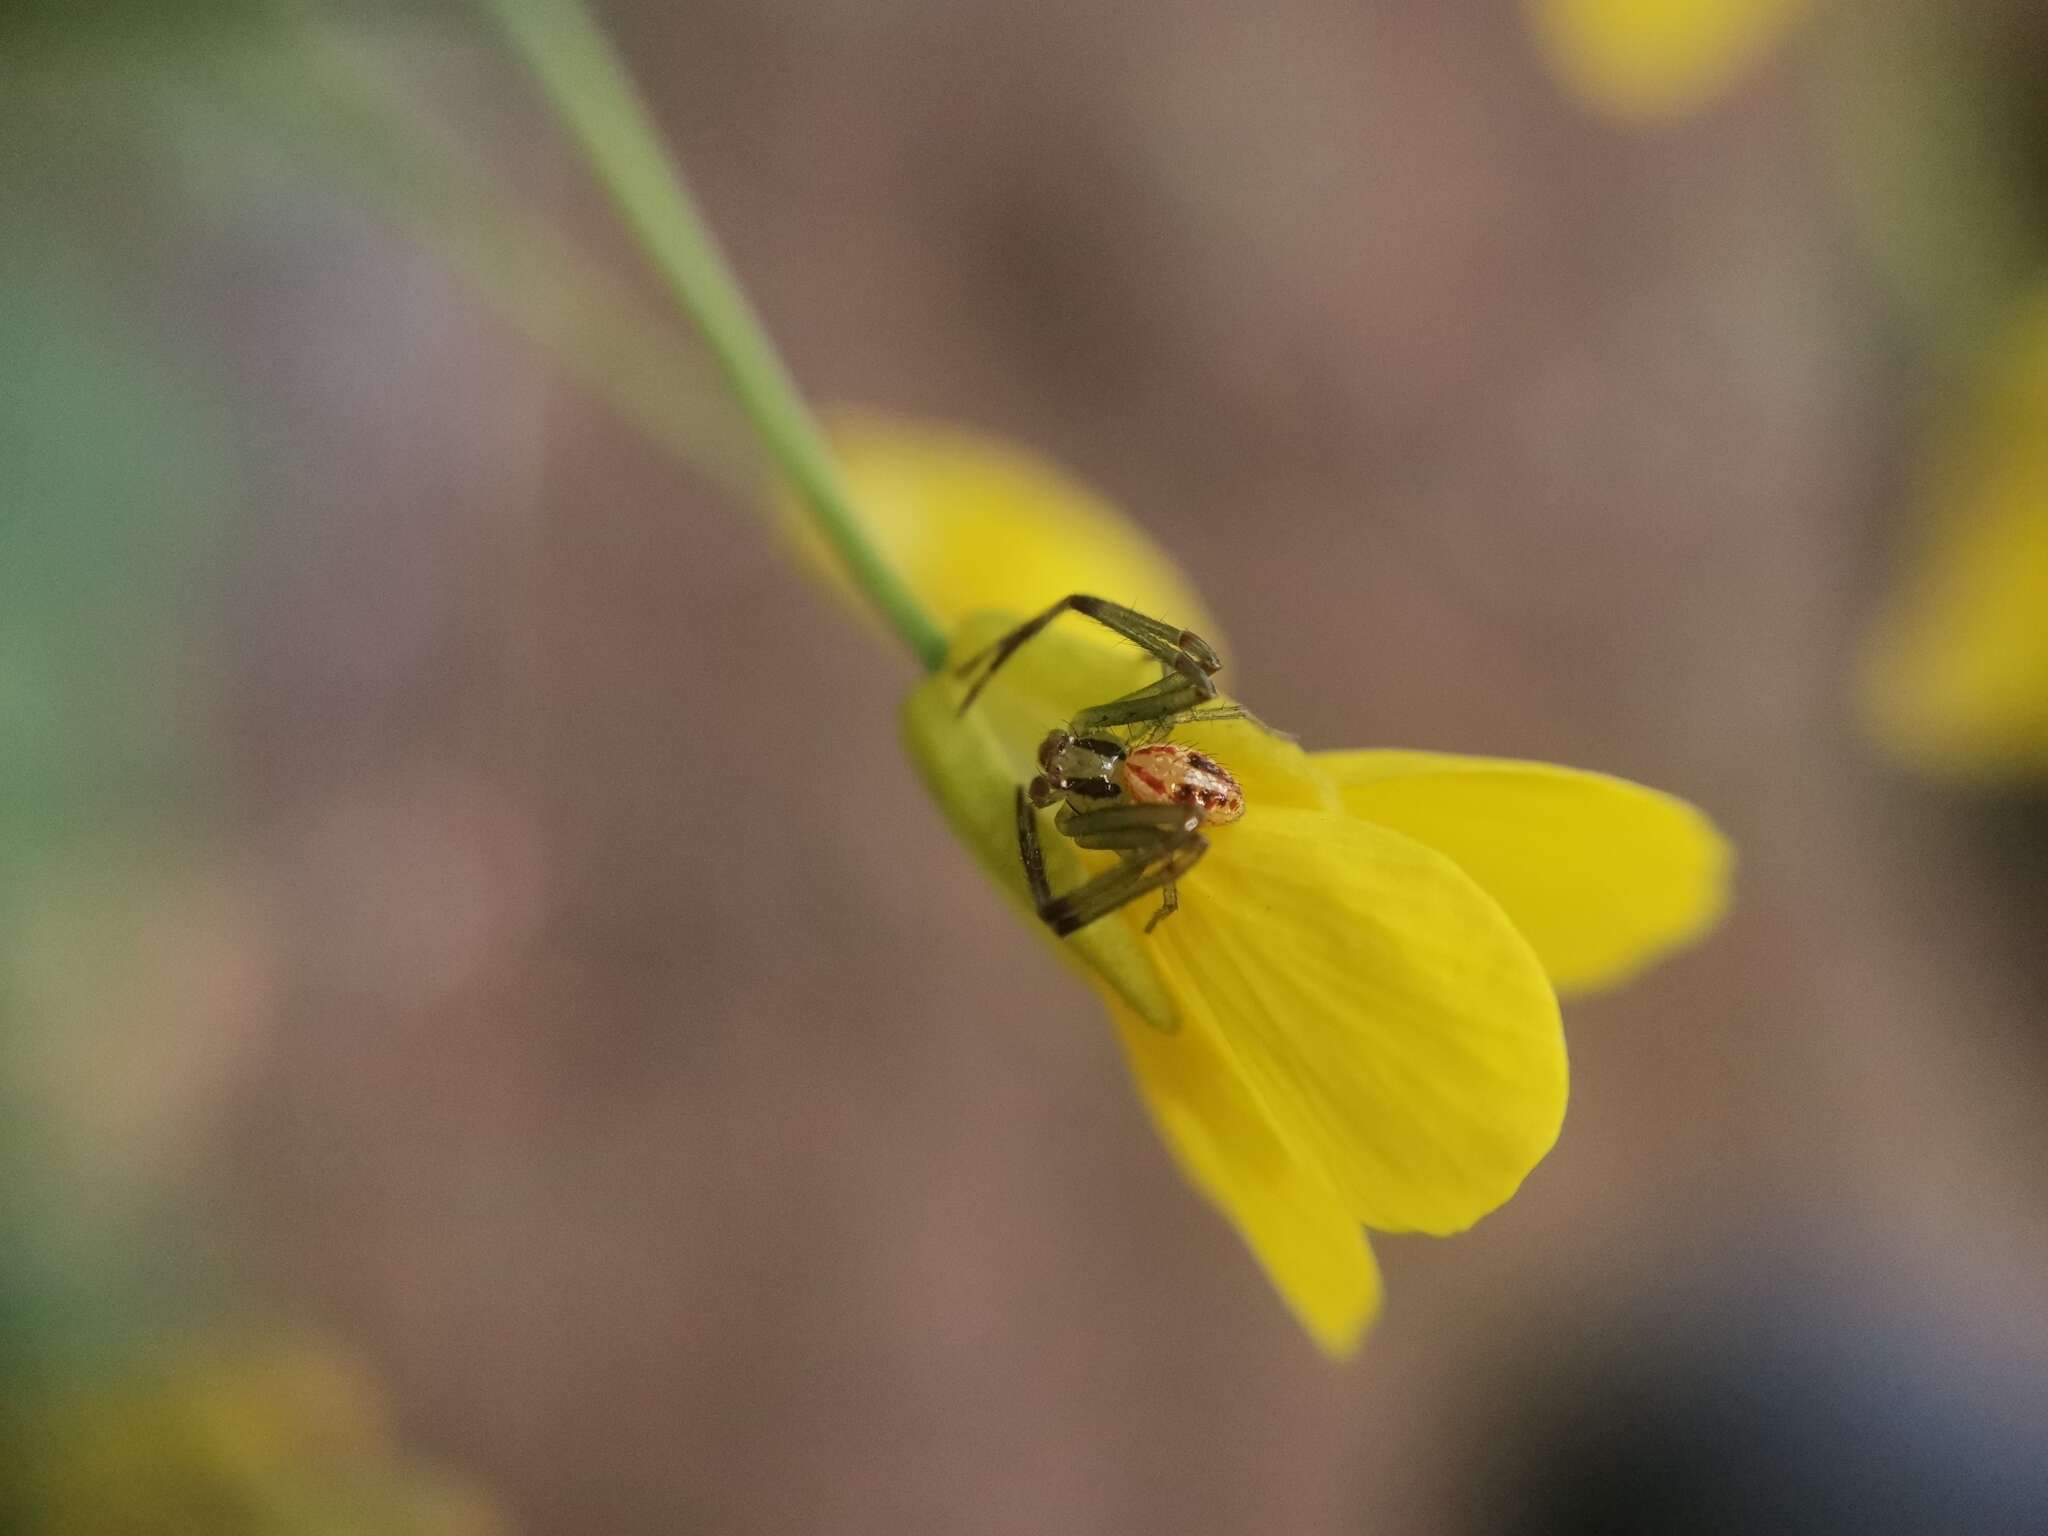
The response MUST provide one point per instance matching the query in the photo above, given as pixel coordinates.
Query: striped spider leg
(1189, 661)
(1159, 844)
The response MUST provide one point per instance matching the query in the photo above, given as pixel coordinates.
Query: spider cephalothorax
(1147, 802)
(1087, 771)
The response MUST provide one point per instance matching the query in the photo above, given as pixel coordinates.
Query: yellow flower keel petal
(1398, 1032)
(1296, 1225)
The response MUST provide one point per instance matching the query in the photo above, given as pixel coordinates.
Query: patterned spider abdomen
(1168, 773)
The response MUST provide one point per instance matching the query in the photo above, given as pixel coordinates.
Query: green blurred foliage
(114, 455)
(125, 1408)
(116, 475)
(94, 30)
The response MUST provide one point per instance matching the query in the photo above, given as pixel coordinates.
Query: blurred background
(496, 1039)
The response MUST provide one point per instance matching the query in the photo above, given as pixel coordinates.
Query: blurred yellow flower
(277, 1436)
(1352, 1020)
(1956, 674)
(1647, 59)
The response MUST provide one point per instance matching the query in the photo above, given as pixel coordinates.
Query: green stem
(588, 84)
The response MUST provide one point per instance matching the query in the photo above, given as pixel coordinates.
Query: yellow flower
(1956, 675)
(1352, 1021)
(1647, 59)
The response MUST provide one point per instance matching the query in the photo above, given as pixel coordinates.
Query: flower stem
(588, 84)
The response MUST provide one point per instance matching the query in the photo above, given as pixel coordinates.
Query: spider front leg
(1173, 700)
(1159, 844)
(1187, 657)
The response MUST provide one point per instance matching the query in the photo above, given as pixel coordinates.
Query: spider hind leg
(1158, 844)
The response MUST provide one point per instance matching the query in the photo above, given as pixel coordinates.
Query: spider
(1147, 801)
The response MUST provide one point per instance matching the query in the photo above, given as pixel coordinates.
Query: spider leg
(1169, 903)
(1107, 892)
(1180, 863)
(1196, 714)
(1206, 713)
(1172, 696)
(1181, 651)
(1127, 827)
(1159, 843)
(1032, 855)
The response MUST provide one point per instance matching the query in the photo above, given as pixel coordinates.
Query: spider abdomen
(1168, 773)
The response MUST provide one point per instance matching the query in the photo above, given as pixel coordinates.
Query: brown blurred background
(543, 973)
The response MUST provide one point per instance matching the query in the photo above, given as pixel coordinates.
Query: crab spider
(1148, 802)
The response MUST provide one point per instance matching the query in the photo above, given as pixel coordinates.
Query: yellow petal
(1295, 1223)
(975, 525)
(1956, 677)
(1656, 58)
(1601, 875)
(1396, 1029)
